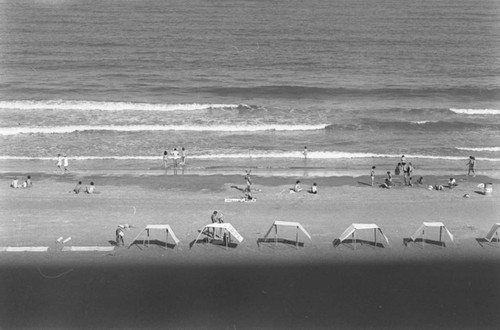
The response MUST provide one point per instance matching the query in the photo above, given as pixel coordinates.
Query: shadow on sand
(144, 243)
(279, 240)
(221, 242)
(407, 241)
(350, 243)
(495, 242)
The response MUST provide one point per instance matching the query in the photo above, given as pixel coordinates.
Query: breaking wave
(137, 128)
(476, 111)
(109, 106)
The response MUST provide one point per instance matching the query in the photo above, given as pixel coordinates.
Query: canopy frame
(168, 230)
(351, 232)
(422, 229)
(297, 225)
(229, 231)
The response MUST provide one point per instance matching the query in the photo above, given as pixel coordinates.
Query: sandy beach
(249, 285)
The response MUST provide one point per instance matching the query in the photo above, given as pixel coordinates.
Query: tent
(148, 229)
(425, 225)
(287, 224)
(351, 232)
(493, 232)
(226, 227)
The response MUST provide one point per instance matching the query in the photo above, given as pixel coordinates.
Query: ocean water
(249, 83)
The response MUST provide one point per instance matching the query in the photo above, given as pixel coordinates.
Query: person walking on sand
(472, 166)
(248, 180)
(65, 164)
(59, 163)
(372, 175)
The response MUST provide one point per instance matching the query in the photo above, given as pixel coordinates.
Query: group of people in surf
(178, 158)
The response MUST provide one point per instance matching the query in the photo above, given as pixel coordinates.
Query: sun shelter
(352, 229)
(227, 228)
(161, 228)
(287, 224)
(421, 231)
(493, 232)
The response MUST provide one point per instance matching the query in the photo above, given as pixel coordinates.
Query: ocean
(248, 84)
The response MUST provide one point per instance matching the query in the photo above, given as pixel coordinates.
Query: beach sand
(263, 286)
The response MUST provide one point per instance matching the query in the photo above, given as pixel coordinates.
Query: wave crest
(476, 111)
(109, 106)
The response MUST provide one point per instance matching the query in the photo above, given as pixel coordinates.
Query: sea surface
(250, 83)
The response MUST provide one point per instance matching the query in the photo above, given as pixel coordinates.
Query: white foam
(479, 149)
(137, 128)
(106, 106)
(476, 111)
(271, 154)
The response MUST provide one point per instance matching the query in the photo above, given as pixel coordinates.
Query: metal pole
(375, 232)
(275, 234)
(423, 238)
(440, 235)
(354, 239)
(297, 238)
(166, 241)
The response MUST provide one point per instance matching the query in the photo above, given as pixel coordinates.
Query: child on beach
(217, 217)
(78, 187)
(472, 164)
(314, 189)
(372, 175)
(452, 183)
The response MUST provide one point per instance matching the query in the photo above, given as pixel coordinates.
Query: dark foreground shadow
(408, 241)
(495, 242)
(480, 192)
(364, 183)
(350, 243)
(279, 240)
(140, 243)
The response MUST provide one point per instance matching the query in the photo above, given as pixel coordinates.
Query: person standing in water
(372, 175)
(248, 181)
(304, 152)
(165, 159)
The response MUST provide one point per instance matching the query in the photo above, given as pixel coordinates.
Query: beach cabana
(421, 231)
(162, 228)
(228, 230)
(350, 232)
(493, 232)
(295, 225)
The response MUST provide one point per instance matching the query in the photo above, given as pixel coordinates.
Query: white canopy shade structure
(350, 232)
(148, 229)
(421, 231)
(287, 224)
(493, 232)
(226, 227)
